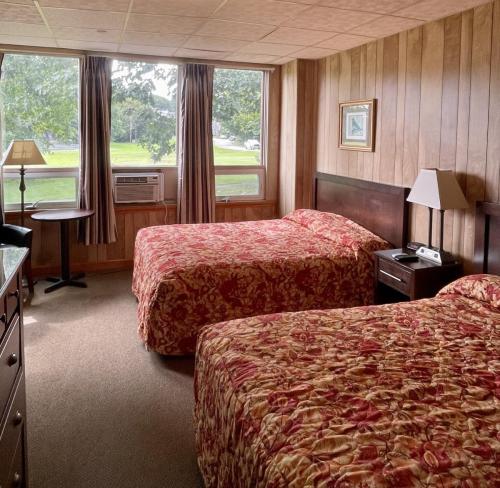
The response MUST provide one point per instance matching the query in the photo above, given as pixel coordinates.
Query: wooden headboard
(380, 208)
(487, 238)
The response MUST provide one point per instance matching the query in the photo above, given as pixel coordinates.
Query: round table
(64, 217)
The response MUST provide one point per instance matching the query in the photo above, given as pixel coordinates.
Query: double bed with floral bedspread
(187, 276)
(399, 395)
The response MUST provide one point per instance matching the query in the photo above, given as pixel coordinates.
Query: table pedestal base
(61, 282)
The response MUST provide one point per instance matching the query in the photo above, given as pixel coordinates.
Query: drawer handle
(14, 294)
(3, 318)
(16, 480)
(18, 418)
(391, 276)
(12, 359)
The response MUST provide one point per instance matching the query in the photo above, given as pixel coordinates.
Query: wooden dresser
(13, 465)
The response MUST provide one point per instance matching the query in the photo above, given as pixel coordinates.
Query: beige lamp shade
(23, 153)
(439, 189)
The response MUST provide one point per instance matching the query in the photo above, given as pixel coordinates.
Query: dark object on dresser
(13, 448)
(14, 235)
(397, 280)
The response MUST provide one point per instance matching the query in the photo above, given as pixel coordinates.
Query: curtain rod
(56, 51)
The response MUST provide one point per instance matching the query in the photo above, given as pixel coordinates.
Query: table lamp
(23, 153)
(437, 189)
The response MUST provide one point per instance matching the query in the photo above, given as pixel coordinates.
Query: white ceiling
(259, 31)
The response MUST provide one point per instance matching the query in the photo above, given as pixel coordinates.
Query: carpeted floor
(103, 412)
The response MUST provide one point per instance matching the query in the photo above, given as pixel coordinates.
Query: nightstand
(398, 281)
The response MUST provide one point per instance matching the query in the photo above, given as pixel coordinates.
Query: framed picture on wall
(356, 125)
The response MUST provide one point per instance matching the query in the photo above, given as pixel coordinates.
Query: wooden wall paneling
(449, 108)
(307, 78)
(479, 116)
(288, 154)
(333, 129)
(274, 122)
(389, 114)
(355, 56)
(430, 113)
(493, 156)
(463, 123)
(362, 95)
(380, 102)
(344, 96)
(324, 95)
(401, 103)
(438, 88)
(370, 92)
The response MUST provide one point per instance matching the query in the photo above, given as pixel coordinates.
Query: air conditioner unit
(138, 187)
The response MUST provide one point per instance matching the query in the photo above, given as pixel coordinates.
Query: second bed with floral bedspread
(396, 395)
(187, 276)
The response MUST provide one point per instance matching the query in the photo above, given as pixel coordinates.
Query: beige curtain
(196, 180)
(95, 132)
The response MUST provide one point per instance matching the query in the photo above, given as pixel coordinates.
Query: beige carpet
(103, 412)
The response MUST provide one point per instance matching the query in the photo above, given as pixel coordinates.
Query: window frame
(45, 171)
(261, 169)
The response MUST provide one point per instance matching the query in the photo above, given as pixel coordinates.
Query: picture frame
(357, 125)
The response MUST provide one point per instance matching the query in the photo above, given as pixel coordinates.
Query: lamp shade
(23, 152)
(439, 189)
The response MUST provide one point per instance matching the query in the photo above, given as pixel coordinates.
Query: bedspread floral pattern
(396, 395)
(187, 276)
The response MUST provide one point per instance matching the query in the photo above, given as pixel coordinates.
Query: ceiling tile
(88, 45)
(113, 5)
(430, 9)
(251, 58)
(342, 42)
(330, 19)
(283, 60)
(10, 12)
(313, 53)
(213, 44)
(78, 18)
(377, 6)
(30, 30)
(299, 37)
(199, 53)
(27, 41)
(234, 30)
(386, 26)
(19, 2)
(149, 50)
(258, 11)
(154, 39)
(98, 35)
(163, 23)
(195, 8)
(267, 48)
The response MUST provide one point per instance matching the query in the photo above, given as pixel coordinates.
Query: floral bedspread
(187, 276)
(396, 395)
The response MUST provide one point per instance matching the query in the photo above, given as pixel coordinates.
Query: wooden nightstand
(398, 281)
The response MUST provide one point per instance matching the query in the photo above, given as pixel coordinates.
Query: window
(237, 114)
(39, 100)
(143, 114)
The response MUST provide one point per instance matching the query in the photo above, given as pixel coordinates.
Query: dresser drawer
(394, 276)
(10, 362)
(12, 297)
(15, 478)
(10, 432)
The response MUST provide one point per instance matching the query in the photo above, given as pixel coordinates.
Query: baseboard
(115, 265)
